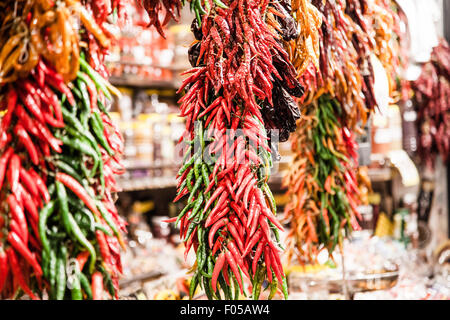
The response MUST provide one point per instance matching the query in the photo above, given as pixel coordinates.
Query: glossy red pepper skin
(40, 185)
(21, 248)
(32, 106)
(17, 272)
(97, 286)
(11, 104)
(217, 269)
(25, 139)
(78, 189)
(4, 268)
(4, 164)
(14, 172)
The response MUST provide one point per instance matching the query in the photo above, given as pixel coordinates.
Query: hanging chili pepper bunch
(432, 96)
(59, 152)
(155, 8)
(239, 64)
(322, 181)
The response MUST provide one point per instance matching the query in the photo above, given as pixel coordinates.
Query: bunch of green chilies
(59, 151)
(230, 216)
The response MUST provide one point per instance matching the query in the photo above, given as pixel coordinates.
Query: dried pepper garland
(155, 7)
(60, 232)
(241, 78)
(432, 95)
(322, 181)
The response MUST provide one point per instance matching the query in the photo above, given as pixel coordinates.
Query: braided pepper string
(322, 181)
(229, 219)
(59, 150)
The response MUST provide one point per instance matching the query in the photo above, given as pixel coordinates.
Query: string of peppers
(322, 181)
(240, 69)
(59, 151)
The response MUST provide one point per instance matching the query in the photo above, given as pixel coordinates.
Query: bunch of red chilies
(60, 234)
(230, 217)
(432, 96)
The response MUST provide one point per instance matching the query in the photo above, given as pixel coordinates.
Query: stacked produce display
(322, 180)
(60, 232)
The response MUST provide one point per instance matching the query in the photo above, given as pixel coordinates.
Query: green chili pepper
(53, 262)
(61, 274)
(285, 289)
(190, 230)
(85, 285)
(193, 285)
(68, 169)
(197, 185)
(98, 80)
(97, 127)
(189, 180)
(76, 287)
(184, 211)
(187, 165)
(273, 286)
(83, 241)
(197, 205)
(43, 216)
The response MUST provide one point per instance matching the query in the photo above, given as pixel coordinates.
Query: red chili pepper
(78, 189)
(52, 121)
(11, 104)
(40, 185)
(190, 242)
(17, 272)
(242, 186)
(252, 210)
(29, 203)
(26, 121)
(25, 139)
(97, 286)
(233, 249)
(31, 105)
(21, 248)
(54, 102)
(268, 263)
(13, 172)
(171, 220)
(258, 252)
(217, 268)
(216, 193)
(214, 218)
(5, 139)
(103, 245)
(275, 266)
(3, 164)
(276, 257)
(235, 269)
(92, 91)
(222, 222)
(236, 236)
(57, 81)
(255, 221)
(217, 245)
(252, 242)
(82, 258)
(46, 135)
(4, 268)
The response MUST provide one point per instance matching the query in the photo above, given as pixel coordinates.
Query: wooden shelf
(140, 82)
